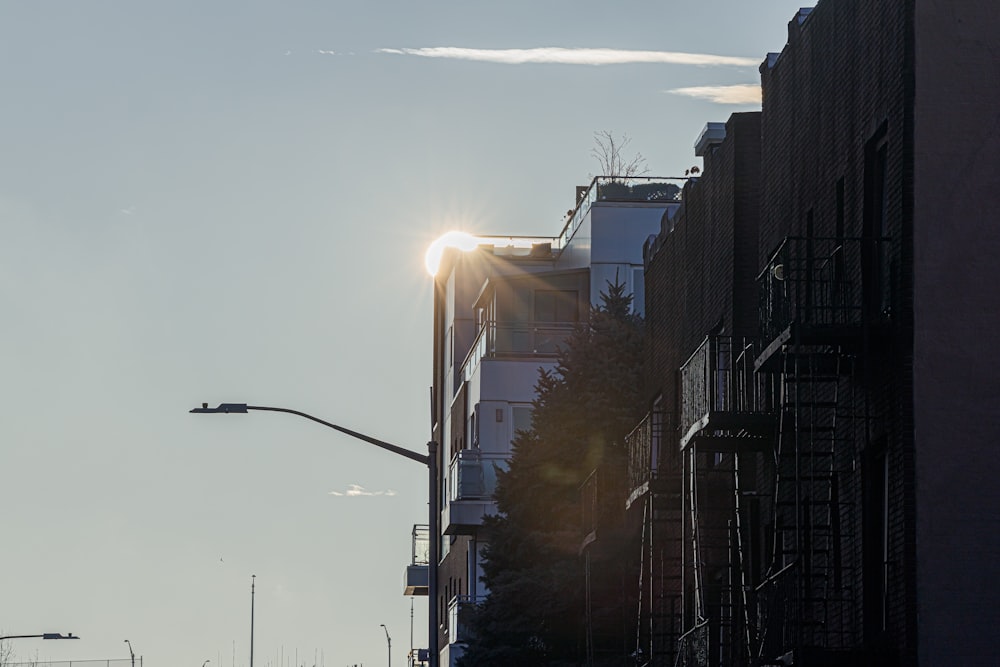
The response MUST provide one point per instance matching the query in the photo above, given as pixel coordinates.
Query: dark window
(556, 306)
(811, 274)
(838, 253)
(875, 538)
(875, 225)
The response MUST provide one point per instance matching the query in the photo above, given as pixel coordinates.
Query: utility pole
(253, 582)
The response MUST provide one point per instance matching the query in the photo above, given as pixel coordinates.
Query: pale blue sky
(198, 204)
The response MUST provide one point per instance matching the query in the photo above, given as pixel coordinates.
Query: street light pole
(253, 583)
(429, 460)
(388, 642)
(131, 652)
(45, 635)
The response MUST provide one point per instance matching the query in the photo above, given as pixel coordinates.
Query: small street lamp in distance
(44, 635)
(388, 642)
(131, 652)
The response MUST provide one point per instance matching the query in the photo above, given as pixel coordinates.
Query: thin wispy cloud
(356, 490)
(743, 93)
(564, 56)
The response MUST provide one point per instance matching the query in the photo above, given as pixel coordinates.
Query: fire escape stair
(802, 603)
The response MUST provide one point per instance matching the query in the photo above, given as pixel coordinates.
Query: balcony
(601, 502)
(650, 458)
(616, 189)
(725, 405)
(811, 288)
(459, 607)
(515, 340)
(415, 579)
(472, 481)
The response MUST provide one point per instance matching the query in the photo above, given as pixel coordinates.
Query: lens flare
(453, 239)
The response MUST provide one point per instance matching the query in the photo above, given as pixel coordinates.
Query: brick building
(815, 480)
(700, 273)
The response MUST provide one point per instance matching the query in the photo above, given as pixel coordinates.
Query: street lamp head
(224, 408)
(57, 635)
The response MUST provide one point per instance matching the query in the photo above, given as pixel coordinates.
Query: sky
(230, 202)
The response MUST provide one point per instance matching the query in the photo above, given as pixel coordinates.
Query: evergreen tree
(583, 409)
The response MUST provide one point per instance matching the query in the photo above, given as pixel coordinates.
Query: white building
(501, 311)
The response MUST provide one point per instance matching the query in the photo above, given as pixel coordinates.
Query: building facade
(501, 311)
(809, 491)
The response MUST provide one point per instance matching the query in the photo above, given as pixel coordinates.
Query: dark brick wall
(842, 84)
(918, 77)
(700, 269)
(956, 320)
(837, 81)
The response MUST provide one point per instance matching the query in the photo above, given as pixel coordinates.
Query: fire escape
(727, 418)
(654, 484)
(816, 329)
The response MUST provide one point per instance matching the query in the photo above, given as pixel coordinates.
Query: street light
(388, 642)
(131, 652)
(45, 635)
(429, 460)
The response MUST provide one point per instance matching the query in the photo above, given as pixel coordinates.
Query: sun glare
(453, 239)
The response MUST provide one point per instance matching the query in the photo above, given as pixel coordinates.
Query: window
(875, 537)
(556, 306)
(875, 225)
(838, 258)
(451, 347)
(520, 419)
(638, 292)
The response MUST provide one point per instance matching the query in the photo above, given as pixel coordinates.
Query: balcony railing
(420, 540)
(516, 339)
(600, 501)
(615, 188)
(778, 612)
(415, 579)
(692, 647)
(650, 452)
(473, 475)
(641, 453)
(817, 282)
(720, 391)
(459, 608)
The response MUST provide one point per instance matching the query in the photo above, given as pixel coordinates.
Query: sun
(452, 239)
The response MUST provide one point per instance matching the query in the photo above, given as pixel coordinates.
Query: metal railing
(778, 613)
(600, 499)
(617, 188)
(692, 647)
(650, 449)
(719, 378)
(515, 339)
(816, 281)
(116, 662)
(641, 455)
